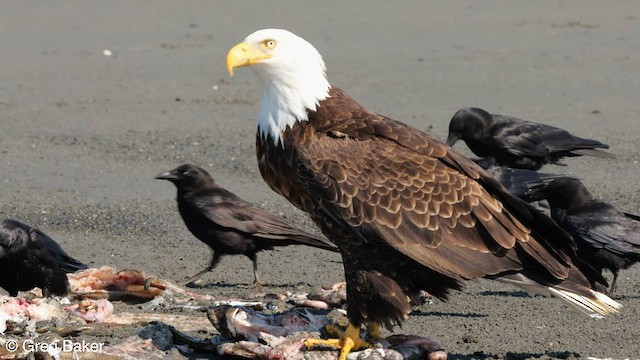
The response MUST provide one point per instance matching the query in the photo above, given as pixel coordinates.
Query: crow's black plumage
(228, 224)
(523, 183)
(526, 184)
(606, 237)
(515, 142)
(29, 258)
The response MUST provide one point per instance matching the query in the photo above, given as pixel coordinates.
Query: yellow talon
(346, 348)
(348, 340)
(333, 343)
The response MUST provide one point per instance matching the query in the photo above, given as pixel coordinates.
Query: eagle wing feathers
(399, 186)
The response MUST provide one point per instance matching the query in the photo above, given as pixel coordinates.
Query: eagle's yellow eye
(269, 44)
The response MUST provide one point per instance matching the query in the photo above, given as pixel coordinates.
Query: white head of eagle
(292, 73)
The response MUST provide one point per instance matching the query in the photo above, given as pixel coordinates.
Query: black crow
(524, 183)
(29, 258)
(517, 143)
(606, 237)
(228, 224)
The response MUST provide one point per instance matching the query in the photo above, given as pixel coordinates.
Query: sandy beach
(96, 98)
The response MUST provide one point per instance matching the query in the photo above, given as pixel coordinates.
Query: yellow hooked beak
(244, 54)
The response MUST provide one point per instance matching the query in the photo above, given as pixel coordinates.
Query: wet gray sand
(96, 98)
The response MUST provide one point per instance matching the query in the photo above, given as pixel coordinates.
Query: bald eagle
(406, 211)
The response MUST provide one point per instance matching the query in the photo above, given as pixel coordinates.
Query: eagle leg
(374, 330)
(347, 340)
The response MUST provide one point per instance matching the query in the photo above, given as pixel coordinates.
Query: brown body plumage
(406, 211)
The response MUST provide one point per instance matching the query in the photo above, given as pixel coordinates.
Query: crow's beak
(168, 175)
(537, 192)
(451, 139)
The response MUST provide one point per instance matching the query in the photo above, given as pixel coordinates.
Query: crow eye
(186, 173)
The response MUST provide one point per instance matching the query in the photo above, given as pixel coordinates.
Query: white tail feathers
(598, 307)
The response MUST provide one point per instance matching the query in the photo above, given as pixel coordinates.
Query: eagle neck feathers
(284, 103)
